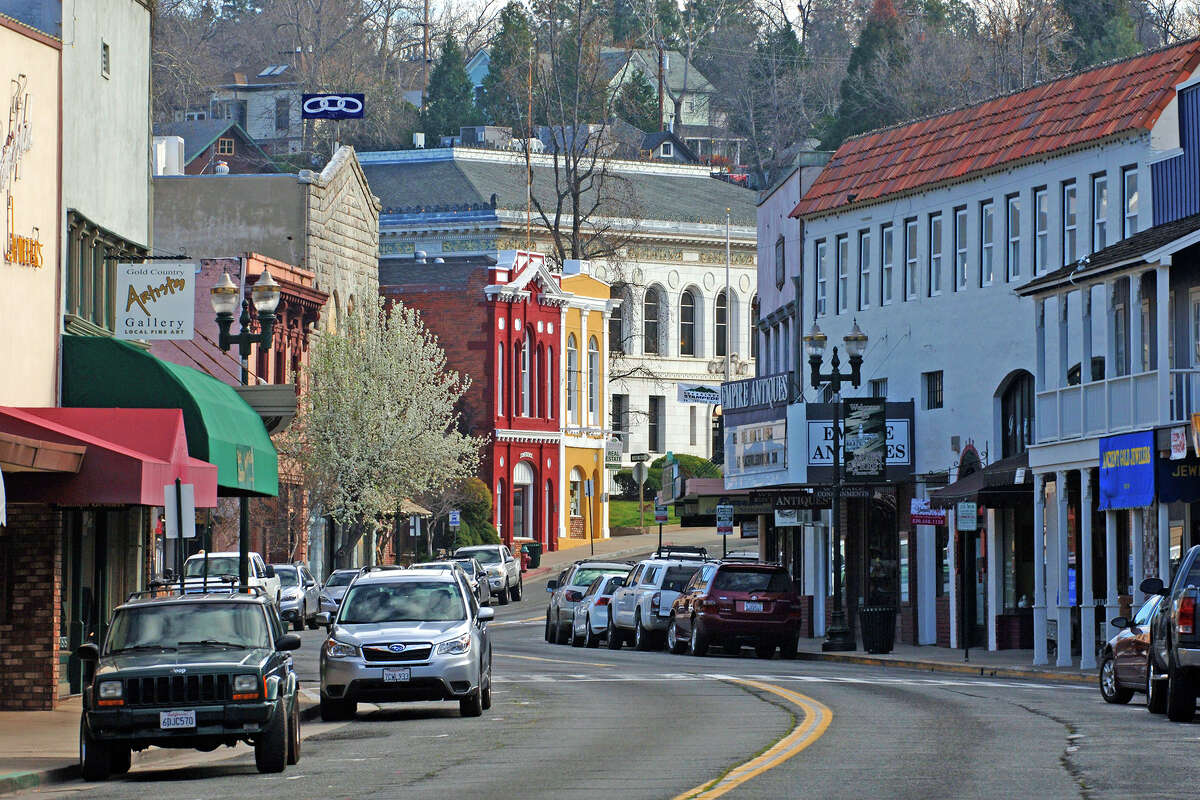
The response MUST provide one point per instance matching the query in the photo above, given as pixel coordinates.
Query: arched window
(721, 329)
(1016, 411)
(500, 380)
(687, 323)
(539, 387)
(515, 407)
(551, 389)
(650, 308)
(616, 323)
(525, 370)
(593, 385)
(754, 327)
(572, 380)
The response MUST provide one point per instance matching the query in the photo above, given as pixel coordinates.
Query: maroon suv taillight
(1187, 615)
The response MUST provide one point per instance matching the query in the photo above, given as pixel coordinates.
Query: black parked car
(1123, 660)
(1173, 664)
(195, 671)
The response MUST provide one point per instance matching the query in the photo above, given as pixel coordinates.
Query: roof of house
(615, 58)
(199, 135)
(1127, 252)
(1108, 100)
(408, 271)
(651, 141)
(674, 194)
(265, 74)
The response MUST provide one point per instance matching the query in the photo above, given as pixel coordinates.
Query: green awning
(222, 429)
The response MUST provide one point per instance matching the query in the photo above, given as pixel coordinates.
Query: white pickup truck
(221, 567)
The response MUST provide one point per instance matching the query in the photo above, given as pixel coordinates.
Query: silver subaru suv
(402, 635)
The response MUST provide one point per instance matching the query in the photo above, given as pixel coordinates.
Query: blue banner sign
(347, 105)
(1127, 470)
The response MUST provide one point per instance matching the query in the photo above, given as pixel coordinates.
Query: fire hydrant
(524, 560)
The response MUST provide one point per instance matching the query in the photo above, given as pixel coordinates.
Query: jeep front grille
(173, 689)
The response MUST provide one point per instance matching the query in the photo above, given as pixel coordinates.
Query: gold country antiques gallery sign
(156, 300)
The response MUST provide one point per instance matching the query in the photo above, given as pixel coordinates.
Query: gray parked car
(478, 578)
(640, 609)
(403, 635)
(299, 598)
(504, 571)
(567, 590)
(335, 588)
(591, 612)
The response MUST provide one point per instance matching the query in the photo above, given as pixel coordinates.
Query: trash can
(878, 628)
(534, 551)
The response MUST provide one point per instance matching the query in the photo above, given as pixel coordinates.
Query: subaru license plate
(752, 606)
(168, 720)
(397, 675)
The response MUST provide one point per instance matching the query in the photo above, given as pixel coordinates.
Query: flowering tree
(378, 423)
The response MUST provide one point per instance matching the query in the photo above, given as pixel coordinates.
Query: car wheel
(561, 636)
(298, 624)
(1156, 690)
(549, 630)
(590, 639)
(472, 704)
(293, 756)
(641, 636)
(764, 650)
(503, 596)
(673, 643)
(698, 644)
(119, 759)
(1110, 690)
(576, 639)
(1181, 695)
(94, 763)
(485, 695)
(311, 622)
(271, 749)
(517, 591)
(614, 635)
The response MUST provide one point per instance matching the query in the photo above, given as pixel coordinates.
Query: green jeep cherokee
(193, 671)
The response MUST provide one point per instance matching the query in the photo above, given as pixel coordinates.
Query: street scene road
(595, 722)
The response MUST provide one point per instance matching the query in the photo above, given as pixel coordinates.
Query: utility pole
(528, 162)
(658, 43)
(728, 304)
(425, 53)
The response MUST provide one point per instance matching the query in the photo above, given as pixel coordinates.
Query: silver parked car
(335, 588)
(590, 623)
(404, 635)
(641, 607)
(478, 578)
(299, 598)
(504, 571)
(567, 590)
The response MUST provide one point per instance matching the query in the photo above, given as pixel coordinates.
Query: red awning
(130, 454)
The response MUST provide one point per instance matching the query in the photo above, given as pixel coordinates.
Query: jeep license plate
(752, 606)
(397, 675)
(168, 720)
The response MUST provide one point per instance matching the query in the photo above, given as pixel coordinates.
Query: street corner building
(1021, 268)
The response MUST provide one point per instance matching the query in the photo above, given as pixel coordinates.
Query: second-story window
(650, 322)
(1129, 184)
(910, 259)
(843, 273)
(780, 270)
(1012, 264)
(525, 378)
(1099, 212)
(987, 243)
(1070, 223)
(500, 380)
(721, 328)
(820, 261)
(864, 270)
(935, 255)
(593, 381)
(887, 261)
(960, 248)
(754, 327)
(1041, 231)
(572, 380)
(878, 387)
(687, 323)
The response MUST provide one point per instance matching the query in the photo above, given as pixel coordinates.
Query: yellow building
(584, 405)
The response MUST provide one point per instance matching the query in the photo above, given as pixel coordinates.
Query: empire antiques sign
(865, 439)
(860, 431)
(772, 390)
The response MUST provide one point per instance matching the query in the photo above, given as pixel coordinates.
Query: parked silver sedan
(590, 623)
(299, 596)
(478, 577)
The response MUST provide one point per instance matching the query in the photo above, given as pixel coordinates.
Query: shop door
(520, 511)
(84, 590)
(975, 589)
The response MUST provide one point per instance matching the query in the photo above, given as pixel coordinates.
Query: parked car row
(677, 598)
(1158, 651)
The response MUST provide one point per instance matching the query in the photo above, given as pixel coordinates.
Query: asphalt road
(572, 722)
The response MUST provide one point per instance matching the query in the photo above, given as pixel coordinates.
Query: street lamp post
(838, 636)
(224, 297)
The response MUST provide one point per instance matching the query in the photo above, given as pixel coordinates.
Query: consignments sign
(156, 300)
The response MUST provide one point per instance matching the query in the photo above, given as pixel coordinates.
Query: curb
(960, 669)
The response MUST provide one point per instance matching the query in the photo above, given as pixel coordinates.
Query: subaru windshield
(409, 601)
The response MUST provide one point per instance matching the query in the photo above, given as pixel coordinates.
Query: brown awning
(994, 486)
(25, 454)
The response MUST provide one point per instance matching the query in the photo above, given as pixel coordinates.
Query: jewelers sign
(156, 300)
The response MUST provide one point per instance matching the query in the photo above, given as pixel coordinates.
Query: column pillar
(1111, 601)
(1135, 325)
(1162, 333)
(1164, 542)
(1087, 603)
(821, 585)
(1060, 568)
(952, 562)
(993, 578)
(1039, 570)
(1137, 544)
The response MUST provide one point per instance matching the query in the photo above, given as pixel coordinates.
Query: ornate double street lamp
(224, 296)
(838, 637)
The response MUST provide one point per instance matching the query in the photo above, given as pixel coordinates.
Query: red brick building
(499, 322)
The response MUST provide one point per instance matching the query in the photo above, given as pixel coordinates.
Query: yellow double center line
(816, 718)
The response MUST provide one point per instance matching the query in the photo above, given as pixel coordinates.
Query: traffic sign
(636, 457)
(660, 513)
(724, 520)
(455, 518)
(187, 495)
(640, 472)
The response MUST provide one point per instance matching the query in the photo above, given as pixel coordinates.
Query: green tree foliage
(865, 102)
(637, 102)
(690, 466)
(1101, 30)
(450, 103)
(504, 100)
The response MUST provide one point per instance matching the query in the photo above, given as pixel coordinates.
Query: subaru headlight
(110, 690)
(455, 647)
(336, 649)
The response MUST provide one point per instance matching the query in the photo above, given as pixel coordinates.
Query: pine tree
(637, 102)
(450, 103)
(864, 103)
(503, 101)
(1101, 31)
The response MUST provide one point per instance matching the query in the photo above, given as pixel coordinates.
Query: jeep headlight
(336, 649)
(110, 690)
(455, 647)
(245, 683)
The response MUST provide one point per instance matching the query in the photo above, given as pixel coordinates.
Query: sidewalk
(622, 547)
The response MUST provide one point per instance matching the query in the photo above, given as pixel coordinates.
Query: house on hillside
(264, 99)
(208, 143)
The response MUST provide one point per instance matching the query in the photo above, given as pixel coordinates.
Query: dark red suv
(733, 604)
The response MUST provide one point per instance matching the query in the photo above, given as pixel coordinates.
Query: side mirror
(1153, 586)
(551, 584)
(88, 651)
(269, 571)
(1120, 623)
(289, 641)
(486, 614)
(324, 619)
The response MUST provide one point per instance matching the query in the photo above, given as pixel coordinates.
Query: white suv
(639, 609)
(222, 567)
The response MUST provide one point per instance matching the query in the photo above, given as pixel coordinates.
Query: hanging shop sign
(332, 106)
(1179, 443)
(898, 426)
(612, 454)
(920, 512)
(966, 516)
(1127, 470)
(865, 442)
(156, 300)
(698, 393)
